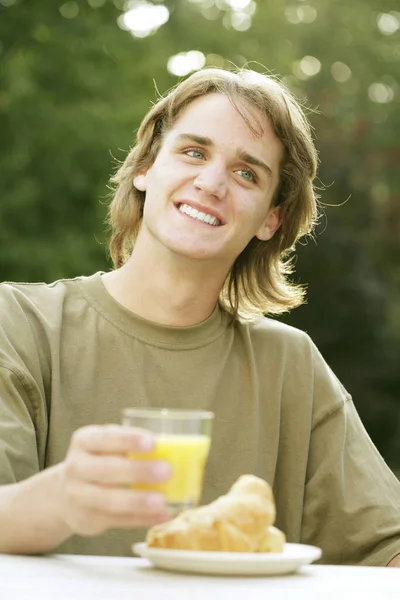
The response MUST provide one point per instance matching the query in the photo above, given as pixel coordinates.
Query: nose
(212, 179)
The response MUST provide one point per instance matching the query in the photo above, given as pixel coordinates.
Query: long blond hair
(258, 282)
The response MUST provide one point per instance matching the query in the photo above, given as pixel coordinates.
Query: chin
(195, 252)
(188, 249)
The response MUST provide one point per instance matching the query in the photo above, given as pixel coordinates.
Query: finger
(117, 501)
(113, 439)
(101, 522)
(115, 470)
(142, 521)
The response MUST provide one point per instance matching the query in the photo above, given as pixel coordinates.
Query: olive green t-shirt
(70, 356)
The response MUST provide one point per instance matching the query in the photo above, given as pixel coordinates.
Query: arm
(86, 494)
(29, 522)
(352, 504)
(352, 499)
(395, 562)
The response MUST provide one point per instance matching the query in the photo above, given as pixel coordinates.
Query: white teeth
(199, 216)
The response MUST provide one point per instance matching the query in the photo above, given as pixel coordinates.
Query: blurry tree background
(76, 78)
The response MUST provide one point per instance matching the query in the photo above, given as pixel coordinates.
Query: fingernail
(163, 470)
(156, 501)
(146, 443)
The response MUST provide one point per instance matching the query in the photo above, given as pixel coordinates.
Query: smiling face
(209, 191)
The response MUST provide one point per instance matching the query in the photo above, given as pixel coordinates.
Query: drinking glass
(183, 438)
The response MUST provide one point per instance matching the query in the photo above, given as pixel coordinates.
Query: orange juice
(187, 455)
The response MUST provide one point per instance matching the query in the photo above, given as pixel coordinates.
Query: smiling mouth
(199, 216)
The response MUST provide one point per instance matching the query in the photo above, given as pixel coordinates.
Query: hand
(395, 562)
(95, 476)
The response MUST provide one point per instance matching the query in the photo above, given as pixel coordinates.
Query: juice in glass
(183, 439)
(187, 455)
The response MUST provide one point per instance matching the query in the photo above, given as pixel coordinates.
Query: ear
(271, 224)
(139, 181)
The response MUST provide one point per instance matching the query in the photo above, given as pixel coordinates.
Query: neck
(175, 291)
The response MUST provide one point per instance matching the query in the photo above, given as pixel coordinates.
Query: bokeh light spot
(215, 60)
(240, 21)
(380, 93)
(186, 62)
(96, 3)
(292, 14)
(340, 72)
(210, 12)
(388, 23)
(238, 4)
(308, 14)
(380, 193)
(307, 67)
(300, 14)
(69, 10)
(144, 18)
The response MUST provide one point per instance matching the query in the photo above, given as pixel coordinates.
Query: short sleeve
(19, 418)
(352, 499)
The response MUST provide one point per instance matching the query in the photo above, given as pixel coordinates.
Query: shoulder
(293, 354)
(31, 313)
(31, 298)
(18, 292)
(266, 331)
(272, 326)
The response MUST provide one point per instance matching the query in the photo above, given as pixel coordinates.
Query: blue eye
(195, 153)
(247, 175)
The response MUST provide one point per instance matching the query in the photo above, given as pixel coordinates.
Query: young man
(207, 207)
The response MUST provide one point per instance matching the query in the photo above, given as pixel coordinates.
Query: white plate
(231, 563)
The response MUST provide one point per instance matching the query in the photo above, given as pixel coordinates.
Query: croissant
(273, 540)
(240, 521)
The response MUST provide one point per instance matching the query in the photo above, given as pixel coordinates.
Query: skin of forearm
(29, 523)
(395, 562)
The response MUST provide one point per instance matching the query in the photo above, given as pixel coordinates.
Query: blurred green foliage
(74, 86)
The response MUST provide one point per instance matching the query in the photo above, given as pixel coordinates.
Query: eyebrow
(242, 154)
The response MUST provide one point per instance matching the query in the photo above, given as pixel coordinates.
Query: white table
(67, 577)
